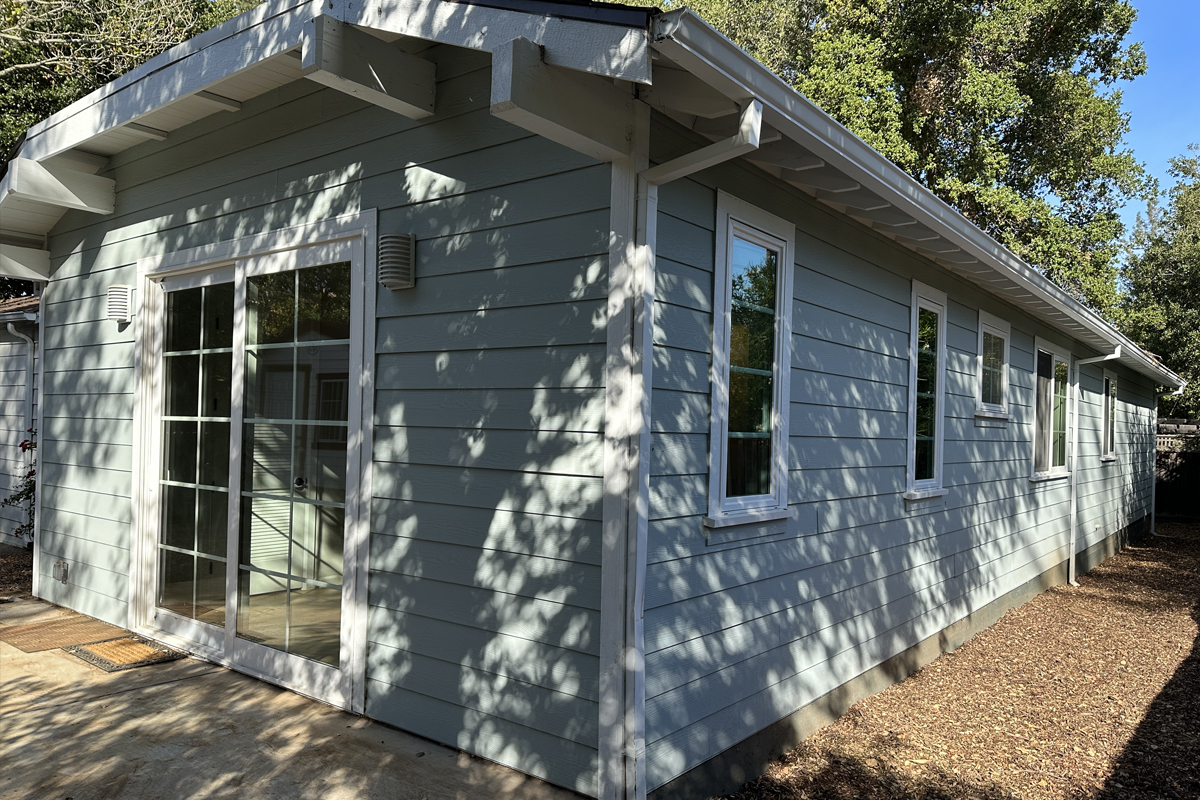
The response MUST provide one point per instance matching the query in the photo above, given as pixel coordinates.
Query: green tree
(53, 52)
(1005, 110)
(1160, 308)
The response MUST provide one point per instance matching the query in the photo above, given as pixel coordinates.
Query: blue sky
(1164, 104)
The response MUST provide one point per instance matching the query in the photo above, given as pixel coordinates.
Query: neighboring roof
(20, 309)
(11, 305)
(698, 77)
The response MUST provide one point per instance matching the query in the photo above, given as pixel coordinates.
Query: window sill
(925, 494)
(985, 413)
(1108, 459)
(746, 518)
(1048, 477)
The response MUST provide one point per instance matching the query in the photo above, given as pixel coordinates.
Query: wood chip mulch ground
(1085, 692)
(16, 572)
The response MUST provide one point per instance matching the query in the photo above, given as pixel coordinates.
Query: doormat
(125, 653)
(57, 633)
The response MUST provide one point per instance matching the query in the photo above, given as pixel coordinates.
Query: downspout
(1113, 356)
(745, 140)
(1154, 462)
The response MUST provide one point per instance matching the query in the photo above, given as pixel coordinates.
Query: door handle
(301, 484)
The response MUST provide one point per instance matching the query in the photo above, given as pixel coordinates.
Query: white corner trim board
(628, 365)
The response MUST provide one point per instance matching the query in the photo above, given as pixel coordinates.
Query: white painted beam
(146, 131)
(744, 141)
(59, 186)
(614, 51)
(224, 103)
(90, 163)
(585, 113)
(24, 263)
(344, 58)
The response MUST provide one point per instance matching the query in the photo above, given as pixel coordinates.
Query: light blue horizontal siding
(13, 425)
(744, 626)
(489, 392)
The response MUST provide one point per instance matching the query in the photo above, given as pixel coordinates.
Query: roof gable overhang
(821, 156)
(566, 70)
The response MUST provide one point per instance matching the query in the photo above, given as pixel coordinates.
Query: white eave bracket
(60, 186)
(24, 263)
(342, 57)
(583, 112)
(612, 51)
(746, 140)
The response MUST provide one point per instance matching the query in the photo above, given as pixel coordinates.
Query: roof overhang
(348, 45)
(876, 191)
(560, 68)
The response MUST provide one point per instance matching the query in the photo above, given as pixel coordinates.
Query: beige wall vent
(398, 260)
(120, 303)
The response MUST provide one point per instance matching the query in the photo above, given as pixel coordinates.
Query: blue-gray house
(546, 378)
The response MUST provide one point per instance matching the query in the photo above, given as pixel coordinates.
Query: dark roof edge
(584, 10)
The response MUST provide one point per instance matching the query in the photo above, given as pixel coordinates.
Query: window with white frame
(750, 370)
(1051, 435)
(926, 388)
(1109, 400)
(991, 388)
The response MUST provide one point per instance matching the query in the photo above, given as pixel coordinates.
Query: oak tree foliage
(1007, 110)
(1160, 308)
(53, 52)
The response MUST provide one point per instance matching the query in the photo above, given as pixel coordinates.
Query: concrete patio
(189, 729)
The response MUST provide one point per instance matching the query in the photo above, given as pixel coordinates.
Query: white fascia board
(184, 70)
(613, 51)
(694, 45)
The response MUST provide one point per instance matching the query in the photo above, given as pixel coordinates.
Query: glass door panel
(294, 457)
(194, 482)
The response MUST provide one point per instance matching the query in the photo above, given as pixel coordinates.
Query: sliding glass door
(258, 427)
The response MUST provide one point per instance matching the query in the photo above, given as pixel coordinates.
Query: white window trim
(997, 327)
(749, 220)
(927, 297)
(1058, 353)
(1108, 453)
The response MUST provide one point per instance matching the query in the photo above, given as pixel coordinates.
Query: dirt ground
(16, 572)
(1089, 692)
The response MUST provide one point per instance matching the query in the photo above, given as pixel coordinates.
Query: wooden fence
(1178, 473)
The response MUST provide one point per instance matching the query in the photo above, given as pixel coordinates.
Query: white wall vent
(120, 303)
(398, 260)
